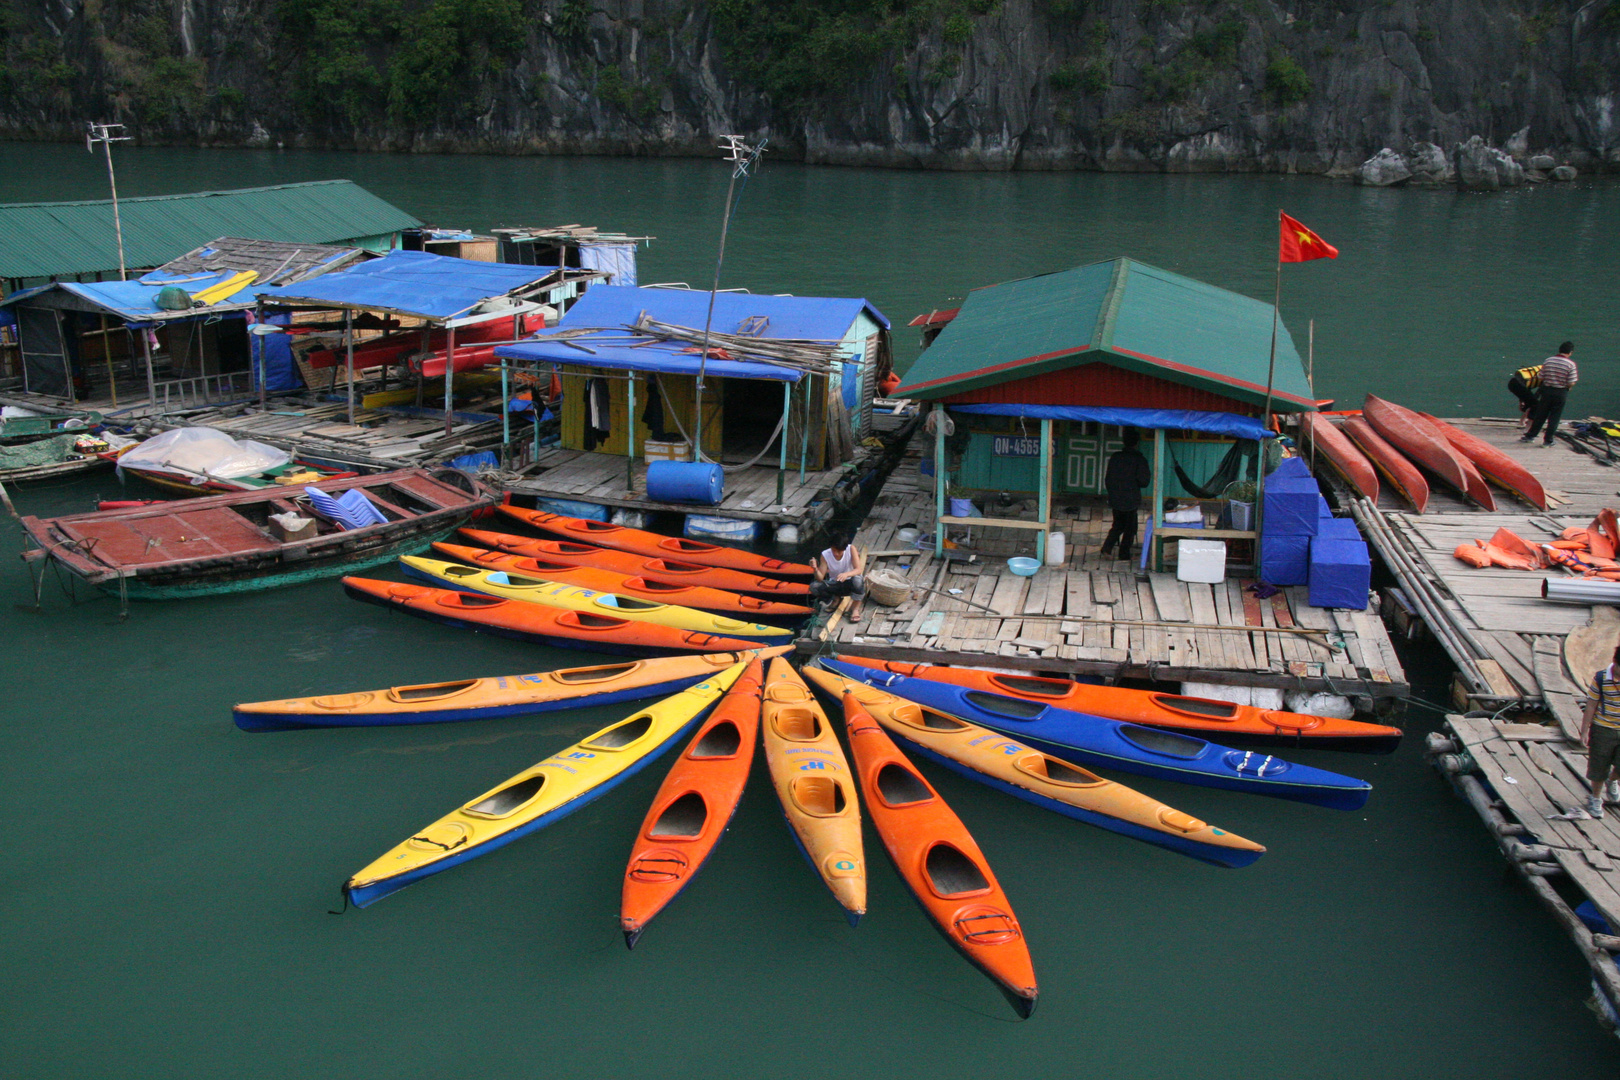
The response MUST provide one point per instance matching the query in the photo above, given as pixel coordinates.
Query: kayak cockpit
(469, 600)
(628, 603)
(818, 796)
(509, 799)
(797, 725)
(1053, 771)
(1030, 684)
(682, 819)
(580, 676)
(721, 741)
(1005, 707)
(951, 873)
(622, 734)
(431, 691)
(1202, 708)
(1159, 741)
(899, 786)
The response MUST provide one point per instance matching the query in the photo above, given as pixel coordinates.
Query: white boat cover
(201, 451)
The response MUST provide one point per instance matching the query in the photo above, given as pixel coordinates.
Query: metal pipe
(781, 464)
(939, 480)
(449, 373)
(506, 416)
(151, 380)
(1580, 591)
(348, 345)
(630, 437)
(258, 345)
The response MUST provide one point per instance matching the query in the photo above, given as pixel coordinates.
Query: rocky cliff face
(1317, 86)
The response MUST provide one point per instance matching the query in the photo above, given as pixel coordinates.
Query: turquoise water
(165, 905)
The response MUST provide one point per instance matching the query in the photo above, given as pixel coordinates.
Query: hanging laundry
(653, 414)
(597, 422)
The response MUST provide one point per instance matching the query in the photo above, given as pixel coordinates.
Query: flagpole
(1276, 303)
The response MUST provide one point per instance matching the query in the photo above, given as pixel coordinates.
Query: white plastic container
(1201, 560)
(1056, 549)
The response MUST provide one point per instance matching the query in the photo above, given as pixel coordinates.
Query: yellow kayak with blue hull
(537, 796)
(512, 586)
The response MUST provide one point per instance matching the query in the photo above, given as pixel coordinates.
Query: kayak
(1041, 779)
(1414, 437)
(1154, 709)
(1492, 463)
(813, 783)
(655, 546)
(664, 571)
(1402, 475)
(537, 796)
(510, 586)
(535, 622)
(489, 698)
(1098, 742)
(937, 858)
(1341, 453)
(693, 807)
(700, 597)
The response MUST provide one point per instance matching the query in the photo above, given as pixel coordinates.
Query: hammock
(1231, 467)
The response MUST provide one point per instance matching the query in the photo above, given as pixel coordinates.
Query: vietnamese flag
(1299, 244)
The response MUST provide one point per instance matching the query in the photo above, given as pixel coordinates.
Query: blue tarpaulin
(280, 373)
(410, 283)
(1213, 423)
(664, 357)
(136, 301)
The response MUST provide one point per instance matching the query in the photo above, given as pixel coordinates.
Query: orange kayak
(700, 597)
(1341, 453)
(1492, 463)
(665, 571)
(813, 783)
(1197, 715)
(693, 806)
(1415, 437)
(939, 861)
(655, 546)
(528, 621)
(1402, 475)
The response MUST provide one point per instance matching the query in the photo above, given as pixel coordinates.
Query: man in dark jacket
(1126, 476)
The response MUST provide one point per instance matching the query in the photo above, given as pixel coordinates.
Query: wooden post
(804, 428)
(781, 463)
(1259, 500)
(1156, 511)
(106, 354)
(939, 480)
(348, 346)
(146, 351)
(1045, 505)
(449, 373)
(630, 436)
(258, 352)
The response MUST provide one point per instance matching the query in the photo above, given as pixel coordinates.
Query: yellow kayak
(573, 598)
(534, 798)
(813, 781)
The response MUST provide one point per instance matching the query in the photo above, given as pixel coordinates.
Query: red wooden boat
(699, 597)
(528, 621)
(666, 571)
(655, 546)
(1415, 437)
(1402, 475)
(1493, 463)
(693, 807)
(1341, 453)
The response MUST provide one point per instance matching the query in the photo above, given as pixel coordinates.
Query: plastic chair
(351, 510)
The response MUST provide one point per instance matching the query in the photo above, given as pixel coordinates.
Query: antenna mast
(742, 157)
(106, 135)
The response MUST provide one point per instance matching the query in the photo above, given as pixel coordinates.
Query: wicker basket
(887, 588)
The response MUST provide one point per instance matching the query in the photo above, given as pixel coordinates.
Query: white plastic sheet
(619, 260)
(201, 451)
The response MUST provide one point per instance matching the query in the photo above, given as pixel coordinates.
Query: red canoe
(700, 597)
(1341, 453)
(1415, 437)
(693, 807)
(1492, 463)
(528, 621)
(655, 546)
(666, 571)
(1402, 475)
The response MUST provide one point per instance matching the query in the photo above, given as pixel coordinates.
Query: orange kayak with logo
(1492, 463)
(939, 861)
(655, 546)
(1200, 716)
(699, 597)
(1402, 475)
(693, 807)
(1415, 437)
(814, 784)
(1347, 460)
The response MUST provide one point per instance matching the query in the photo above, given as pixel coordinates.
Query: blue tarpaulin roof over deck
(410, 283)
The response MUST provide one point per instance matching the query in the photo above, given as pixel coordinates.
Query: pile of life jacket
(1589, 552)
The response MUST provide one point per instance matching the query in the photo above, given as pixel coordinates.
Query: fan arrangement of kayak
(1390, 441)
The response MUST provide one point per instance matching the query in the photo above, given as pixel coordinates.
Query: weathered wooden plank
(1170, 597)
(1078, 600)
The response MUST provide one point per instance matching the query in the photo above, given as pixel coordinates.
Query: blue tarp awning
(136, 301)
(1213, 423)
(664, 357)
(415, 283)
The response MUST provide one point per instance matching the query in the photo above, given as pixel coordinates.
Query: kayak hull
(1492, 463)
(1402, 475)
(655, 546)
(1347, 460)
(1415, 437)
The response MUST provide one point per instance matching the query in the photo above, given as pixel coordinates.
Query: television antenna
(106, 135)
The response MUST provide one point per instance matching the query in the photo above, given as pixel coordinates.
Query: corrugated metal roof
(1120, 312)
(67, 238)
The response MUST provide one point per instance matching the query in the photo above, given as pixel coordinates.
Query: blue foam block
(1340, 573)
(1290, 466)
(1323, 510)
(1285, 560)
(1290, 507)
(1332, 528)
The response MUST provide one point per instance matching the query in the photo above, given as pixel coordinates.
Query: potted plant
(960, 504)
(1239, 498)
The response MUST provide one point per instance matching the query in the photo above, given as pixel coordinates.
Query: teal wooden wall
(982, 468)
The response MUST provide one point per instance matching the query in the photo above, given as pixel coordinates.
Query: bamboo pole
(348, 348)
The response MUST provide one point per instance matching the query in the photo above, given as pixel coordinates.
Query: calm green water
(165, 900)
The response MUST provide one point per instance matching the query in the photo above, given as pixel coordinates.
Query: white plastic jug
(1056, 549)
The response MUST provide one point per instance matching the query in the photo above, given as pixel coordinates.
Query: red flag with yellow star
(1299, 244)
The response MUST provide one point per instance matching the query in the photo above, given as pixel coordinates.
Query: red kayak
(1415, 437)
(654, 546)
(1492, 463)
(528, 621)
(699, 597)
(666, 571)
(1341, 453)
(1402, 475)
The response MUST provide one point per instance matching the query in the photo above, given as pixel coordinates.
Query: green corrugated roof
(66, 238)
(1123, 312)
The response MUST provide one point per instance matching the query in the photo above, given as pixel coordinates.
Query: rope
(697, 451)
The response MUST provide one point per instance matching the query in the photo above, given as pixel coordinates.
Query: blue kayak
(1100, 742)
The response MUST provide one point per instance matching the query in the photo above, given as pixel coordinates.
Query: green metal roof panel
(66, 238)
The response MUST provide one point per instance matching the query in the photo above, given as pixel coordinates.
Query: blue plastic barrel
(685, 482)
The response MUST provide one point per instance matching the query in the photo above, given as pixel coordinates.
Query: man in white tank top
(840, 571)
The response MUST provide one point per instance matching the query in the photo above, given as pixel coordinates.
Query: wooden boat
(1200, 716)
(293, 475)
(1413, 436)
(1402, 475)
(654, 546)
(813, 783)
(664, 571)
(535, 622)
(1492, 463)
(554, 594)
(537, 796)
(937, 858)
(693, 807)
(700, 597)
(223, 543)
(1341, 453)
(1041, 779)
(489, 698)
